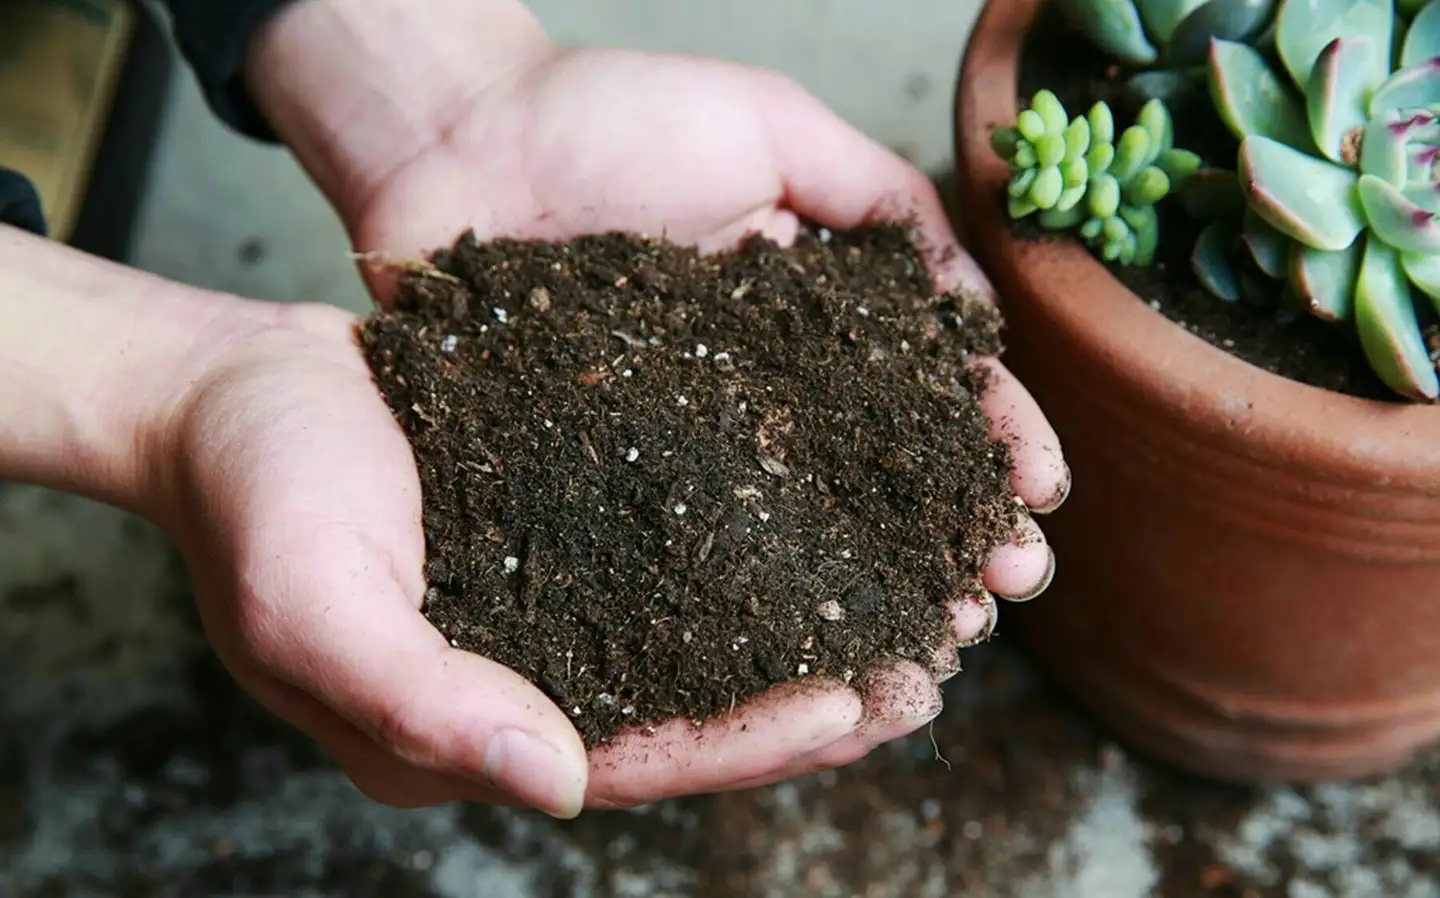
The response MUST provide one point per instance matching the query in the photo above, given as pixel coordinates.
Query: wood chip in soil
(658, 483)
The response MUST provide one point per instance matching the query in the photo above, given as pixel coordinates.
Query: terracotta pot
(1249, 568)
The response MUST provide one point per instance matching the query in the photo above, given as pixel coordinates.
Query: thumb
(838, 176)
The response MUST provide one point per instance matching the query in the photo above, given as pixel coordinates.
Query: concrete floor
(887, 67)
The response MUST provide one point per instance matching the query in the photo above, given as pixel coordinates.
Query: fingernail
(537, 773)
(1061, 495)
(985, 602)
(1044, 581)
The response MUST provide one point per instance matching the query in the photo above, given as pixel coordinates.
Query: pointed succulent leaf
(1048, 186)
(1022, 182)
(1156, 121)
(1102, 123)
(1076, 174)
(1058, 219)
(1100, 157)
(1424, 272)
(1389, 331)
(1114, 27)
(1104, 196)
(1131, 153)
(1325, 281)
(1396, 220)
(1384, 150)
(1252, 99)
(1050, 150)
(1422, 39)
(1425, 194)
(1212, 195)
(1211, 260)
(1303, 29)
(1338, 93)
(1161, 17)
(1416, 87)
(1268, 247)
(1303, 197)
(1145, 223)
(1231, 20)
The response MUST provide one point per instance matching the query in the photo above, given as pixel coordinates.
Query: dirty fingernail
(1061, 495)
(532, 770)
(975, 618)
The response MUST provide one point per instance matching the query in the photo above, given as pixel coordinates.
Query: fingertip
(974, 616)
(1040, 476)
(1021, 569)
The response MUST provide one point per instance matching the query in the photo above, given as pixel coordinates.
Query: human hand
(547, 143)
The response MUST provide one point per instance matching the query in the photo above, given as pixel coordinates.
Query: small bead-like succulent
(1337, 171)
(1171, 33)
(1078, 173)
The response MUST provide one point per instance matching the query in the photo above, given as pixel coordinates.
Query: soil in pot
(1287, 342)
(658, 483)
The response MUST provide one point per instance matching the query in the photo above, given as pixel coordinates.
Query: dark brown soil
(657, 484)
(1280, 340)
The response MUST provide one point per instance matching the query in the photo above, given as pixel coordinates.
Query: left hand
(534, 141)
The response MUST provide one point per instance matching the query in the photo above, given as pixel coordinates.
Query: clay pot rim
(1242, 407)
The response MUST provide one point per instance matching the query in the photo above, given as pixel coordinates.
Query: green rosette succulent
(1079, 174)
(1169, 33)
(1337, 172)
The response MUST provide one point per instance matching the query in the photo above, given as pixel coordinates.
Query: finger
(678, 758)
(1040, 477)
(899, 699)
(343, 632)
(1021, 569)
(837, 175)
(379, 776)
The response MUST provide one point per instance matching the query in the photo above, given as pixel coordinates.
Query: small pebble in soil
(657, 483)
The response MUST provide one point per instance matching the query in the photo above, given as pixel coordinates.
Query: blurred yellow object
(60, 64)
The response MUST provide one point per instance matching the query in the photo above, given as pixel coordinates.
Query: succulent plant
(1077, 173)
(1171, 33)
(1338, 174)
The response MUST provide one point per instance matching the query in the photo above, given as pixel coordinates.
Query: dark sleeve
(212, 36)
(19, 203)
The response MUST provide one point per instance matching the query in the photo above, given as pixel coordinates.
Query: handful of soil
(658, 483)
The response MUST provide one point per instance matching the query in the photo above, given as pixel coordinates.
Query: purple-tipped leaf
(1324, 282)
(1305, 27)
(1413, 88)
(1303, 197)
(1385, 149)
(1389, 332)
(1252, 99)
(1338, 92)
(1397, 221)
(1422, 40)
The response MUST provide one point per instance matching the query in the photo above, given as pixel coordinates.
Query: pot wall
(1248, 575)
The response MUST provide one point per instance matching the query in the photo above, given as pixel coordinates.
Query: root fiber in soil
(657, 483)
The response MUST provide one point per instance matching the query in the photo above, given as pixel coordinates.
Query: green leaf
(1324, 281)
(1424, 272)
(1077, 139)
(1231, 20)
(1104, 196)
(1146, 225)
(1268, 247)
(1425, 194)
(1070, 199)
(1178, 164)
(1114, 27)
(1389, 332)
(1414, 88)
(1004, 141)
(1048, 186)
(1155, 119)
(1211, 262)
(1147, 188)
(1252, 99)
(1384, 151)
(1422, 40)
(1303, 197)
(1339, 90)
(1173, 87)
(1021, 183)
(1050, 150)
(1131, 153)
(1396, 220)
(1052, 112)
(1161, 17)
(1212, 195)
(1058, 219)
(1303, 29)
(1102, 123)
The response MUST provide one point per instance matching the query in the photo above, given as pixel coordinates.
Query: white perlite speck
(448, 344)
(701, 350)
(632, 454)
(512, 564)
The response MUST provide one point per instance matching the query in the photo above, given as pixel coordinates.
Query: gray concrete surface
(131, 766)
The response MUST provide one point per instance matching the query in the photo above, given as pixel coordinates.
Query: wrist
(356, 88)
(95, 362)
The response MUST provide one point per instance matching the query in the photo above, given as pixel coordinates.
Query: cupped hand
(314, 492)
